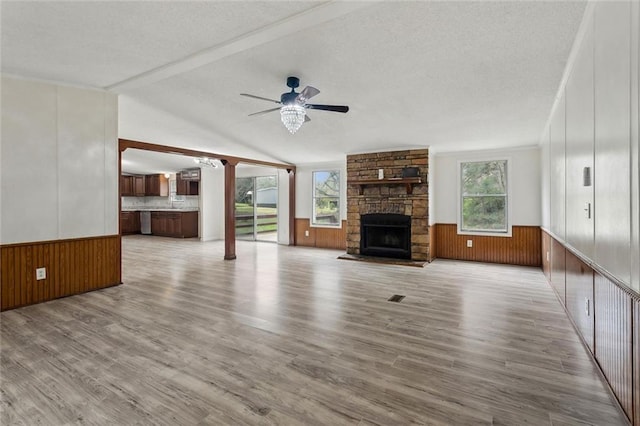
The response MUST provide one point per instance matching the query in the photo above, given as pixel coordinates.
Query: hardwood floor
(291, 335)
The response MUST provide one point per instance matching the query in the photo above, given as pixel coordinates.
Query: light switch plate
(469, 243)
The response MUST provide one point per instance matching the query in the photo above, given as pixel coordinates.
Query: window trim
(508, 205)
(312, 224)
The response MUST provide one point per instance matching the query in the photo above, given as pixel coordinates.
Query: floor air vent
(395, 298)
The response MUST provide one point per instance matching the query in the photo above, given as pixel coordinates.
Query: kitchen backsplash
(179, 201)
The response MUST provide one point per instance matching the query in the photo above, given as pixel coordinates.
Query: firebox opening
(385, 235)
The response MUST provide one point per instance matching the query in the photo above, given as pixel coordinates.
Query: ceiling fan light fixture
(204, 161)
(292, 117)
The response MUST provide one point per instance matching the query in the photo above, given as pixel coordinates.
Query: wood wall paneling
(72, 266)
(613, 349)
(331, 238)
(545, 255)
(635, 304)
(522, 248)
(558, 270)
(579, 293)
(433, 253)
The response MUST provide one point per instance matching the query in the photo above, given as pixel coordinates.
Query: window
(326, 198)
(484, 206)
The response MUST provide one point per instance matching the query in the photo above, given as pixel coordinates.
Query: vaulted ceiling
(446, 74)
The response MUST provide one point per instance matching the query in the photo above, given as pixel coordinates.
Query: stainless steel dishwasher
(145, 222)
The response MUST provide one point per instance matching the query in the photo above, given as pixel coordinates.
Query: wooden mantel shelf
(408, 182)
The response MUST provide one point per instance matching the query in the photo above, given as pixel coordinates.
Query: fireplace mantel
(408, 182)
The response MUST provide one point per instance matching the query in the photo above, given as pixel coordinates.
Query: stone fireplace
(388, 217)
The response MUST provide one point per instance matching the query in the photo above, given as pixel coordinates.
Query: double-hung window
(484, 197)
(326, 198)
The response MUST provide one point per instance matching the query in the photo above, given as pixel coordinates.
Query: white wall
(304, 187)
(595, 123)
(283, 207)
(545, 211)
(59, 162)
(524, 182)
(211, 214)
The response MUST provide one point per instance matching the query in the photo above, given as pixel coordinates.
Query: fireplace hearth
(385, 235)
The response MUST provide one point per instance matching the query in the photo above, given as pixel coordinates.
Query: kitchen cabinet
(130, 222)
(132, 186)
(174, 224)
(156, 185)
(138, 186)
(190, 174)
(187, 187)
(126, 186)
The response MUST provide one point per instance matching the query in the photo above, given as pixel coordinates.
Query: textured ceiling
(449, 75)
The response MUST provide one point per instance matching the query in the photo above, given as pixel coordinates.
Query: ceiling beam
(302, 21)
(128, 143)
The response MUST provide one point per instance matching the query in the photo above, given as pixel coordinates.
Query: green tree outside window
(326, 198)
(484, 196)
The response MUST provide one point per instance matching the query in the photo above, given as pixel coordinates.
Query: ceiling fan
(294, 105)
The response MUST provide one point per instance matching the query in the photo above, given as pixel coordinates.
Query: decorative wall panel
(613, 349)
(522, 248)
(331, 238)
(72, 267)
(579, 301)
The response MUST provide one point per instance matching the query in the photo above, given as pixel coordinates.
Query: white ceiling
(446, 74)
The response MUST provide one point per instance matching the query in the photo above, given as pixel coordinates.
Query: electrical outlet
(469, 243)
(306, 233)
(41, 273)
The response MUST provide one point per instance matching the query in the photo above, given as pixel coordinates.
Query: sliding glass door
(257, 208)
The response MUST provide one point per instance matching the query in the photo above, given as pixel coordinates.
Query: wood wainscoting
(635, 308)
(72, 266)
(558, 269)
(522, 248)
(432, 243)
(606, 315)
(579, 297)
(545, 257)
(614, 352)
(331, 238)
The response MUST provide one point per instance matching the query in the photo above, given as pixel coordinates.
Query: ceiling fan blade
(306, 118)
(259, 97)
(265, 111)
(334, 108)
(306, 94)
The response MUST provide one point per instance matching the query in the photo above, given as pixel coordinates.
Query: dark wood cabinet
(174, 224)
(190, 174)
(130, 222)
(126, 185)
(138, 186)
(187, 187)
(132, 186)
(156, 185)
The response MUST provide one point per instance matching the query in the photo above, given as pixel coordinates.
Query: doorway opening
(257, 208)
